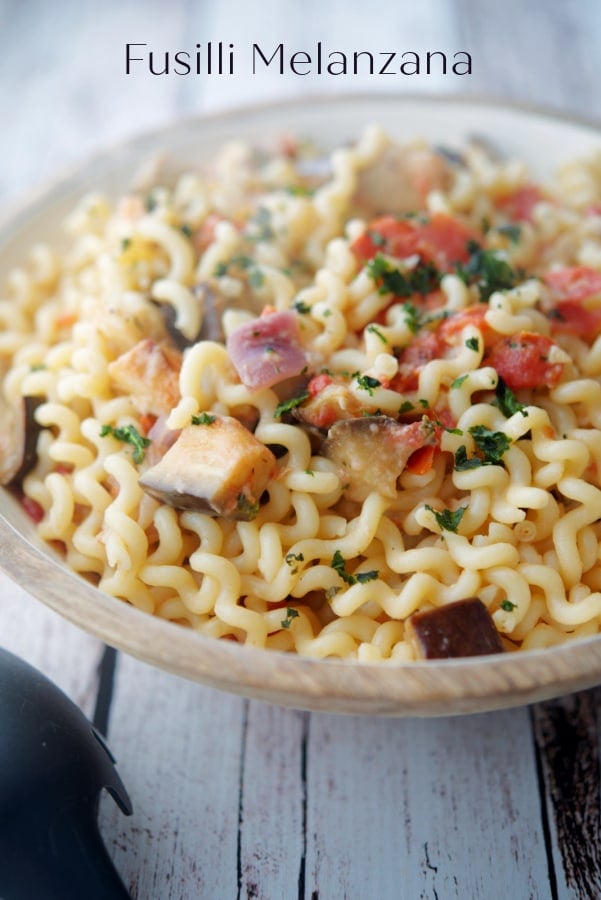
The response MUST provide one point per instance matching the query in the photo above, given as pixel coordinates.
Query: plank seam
(243, 741)
(542, 793)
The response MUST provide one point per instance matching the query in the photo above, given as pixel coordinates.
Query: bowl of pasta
(304, 402)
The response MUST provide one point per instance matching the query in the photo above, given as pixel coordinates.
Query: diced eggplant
(372, 451)
(213, 305)
(400, 179)
(217, 467)
(149, 373)
(463, 628)
(18, 441)
(335, 401)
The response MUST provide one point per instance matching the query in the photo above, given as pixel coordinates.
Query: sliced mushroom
(217, 467)
(19, 440)
(463, 628)
(372, 451)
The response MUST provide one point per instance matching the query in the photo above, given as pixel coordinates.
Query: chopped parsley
(287, 405)
(128, 434)
(406, 407)
(473, 344)
(506, 400)
(459, 381)
(513, 232)
(373, 329)
(487, 270)
(150, 202)
(186, 230)
(368, 383)
(203, 418)
(508, 606)
(338, 563)
(255, 276)
(411, 317)
(125, 243)
(301, 307)
(492, 444)
(246, 507)
(260, 226)
(448, 519)
(298, 190)
(423, 279)
(291, 613)
(292, 559)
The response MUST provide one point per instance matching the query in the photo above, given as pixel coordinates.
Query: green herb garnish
(292, 559)
(128, 434)
(301, 307)
(203, 418)
(508, 606)
(291, 613)
(373, 329)
(338, 563)
(506, 400)
(513, 232)
(459, 381)
(492, 444)
(423, 279)
(367, 383)
(487, 270)
(473, 343)
(448, 519)
(287, 405)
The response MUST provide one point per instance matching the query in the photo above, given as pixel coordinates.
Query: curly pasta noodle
(458, 301)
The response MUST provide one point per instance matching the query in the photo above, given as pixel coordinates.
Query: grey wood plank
(411, 809)
(539, 52)
(67, 655)
(567, 733)
(273, 803)
(179, 752)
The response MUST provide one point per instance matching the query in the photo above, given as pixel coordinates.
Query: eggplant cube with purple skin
(462, 628)
(216, 466)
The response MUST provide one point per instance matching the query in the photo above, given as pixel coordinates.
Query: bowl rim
(444, 687)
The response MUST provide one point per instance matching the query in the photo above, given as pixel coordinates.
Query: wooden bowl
(416, 689)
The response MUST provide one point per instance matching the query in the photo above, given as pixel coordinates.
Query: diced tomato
(573, 318)
(32, 508)
(522, 361)
(441, 240)
(450, 327)
(420, 462)
(147, 420)
(318, 383)
(574, 282)
(424, 348)
(444, 241)
(519, 204)
(63, 468)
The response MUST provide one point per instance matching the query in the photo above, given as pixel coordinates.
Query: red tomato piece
(420, 462)
(473, 315)
(318, 383)
(421, 350)
(441, 240)
(522, 361)
(571, 317)
(574, 283)
(519, 204)
(32, 508)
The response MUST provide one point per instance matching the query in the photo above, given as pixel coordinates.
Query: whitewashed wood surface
(235, 798)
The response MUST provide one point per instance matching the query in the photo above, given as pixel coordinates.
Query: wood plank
(273, 803)
(408, 809)
(567, 733)
(64, 653)
(534, 52)
(179, 750)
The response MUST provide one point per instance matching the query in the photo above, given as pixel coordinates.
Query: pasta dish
(344, 405)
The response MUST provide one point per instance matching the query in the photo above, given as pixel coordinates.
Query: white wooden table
(235, 798)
